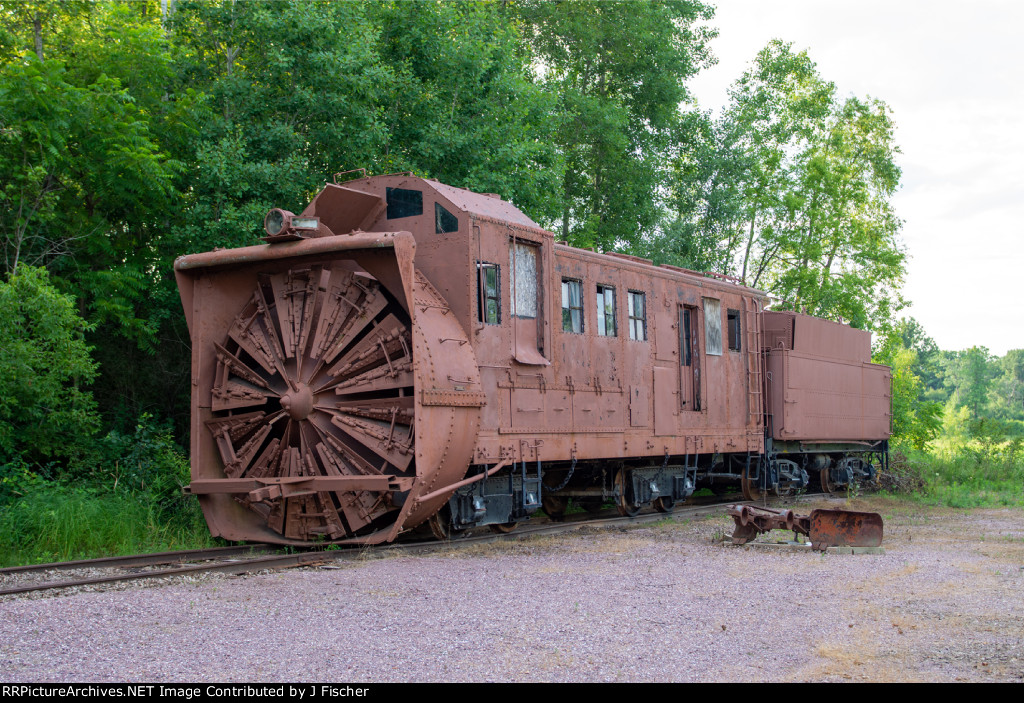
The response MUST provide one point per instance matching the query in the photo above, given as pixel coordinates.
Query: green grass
(126, 500)
(970, 473)
(53, 522)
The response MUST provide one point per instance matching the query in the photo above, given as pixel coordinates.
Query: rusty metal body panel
(821, 385)
(424, 353)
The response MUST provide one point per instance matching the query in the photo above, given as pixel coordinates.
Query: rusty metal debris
(823, 528)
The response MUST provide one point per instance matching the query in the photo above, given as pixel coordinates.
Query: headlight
(276, 221)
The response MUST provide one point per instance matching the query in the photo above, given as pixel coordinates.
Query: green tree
(44, 364)
(619, 71)
(914, 420)
(969, 374)
(1007, 393)
(807, 213)
(82, 182)
(773, 111)
(700, 229)
(929, 357)
(844, 258)
(278, 103)
(463, 107)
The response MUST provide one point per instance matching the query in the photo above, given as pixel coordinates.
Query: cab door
(526, 298)
(689, 359)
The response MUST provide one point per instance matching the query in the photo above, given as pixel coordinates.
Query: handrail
(497, 467)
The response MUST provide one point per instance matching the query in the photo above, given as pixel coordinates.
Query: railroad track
(251, 558)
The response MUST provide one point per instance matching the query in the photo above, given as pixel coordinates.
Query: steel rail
(132, 560)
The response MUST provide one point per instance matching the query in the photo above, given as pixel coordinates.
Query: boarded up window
(523, 265)
(713, 326)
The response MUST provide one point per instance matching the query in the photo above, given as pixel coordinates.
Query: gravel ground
(650, 603)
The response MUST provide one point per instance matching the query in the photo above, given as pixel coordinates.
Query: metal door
(689, 359)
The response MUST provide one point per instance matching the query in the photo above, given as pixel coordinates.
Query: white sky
(953, 74)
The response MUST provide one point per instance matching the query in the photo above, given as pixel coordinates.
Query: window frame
(602, 329)
(440, 214)
(734, 330)
(481, 292)
(713, 327)
(397, 203)
(516, 301)
(567, 306)
(642, 319)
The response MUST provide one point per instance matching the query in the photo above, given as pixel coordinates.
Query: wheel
(315, 378)
(505, 528)
(751, 491)
(826, 483)
(554, 506)
(664, 504)
(624, 501)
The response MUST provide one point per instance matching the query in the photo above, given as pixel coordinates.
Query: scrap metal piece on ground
(824, 528)
(845, 528)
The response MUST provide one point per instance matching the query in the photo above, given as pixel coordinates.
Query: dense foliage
(133, 132)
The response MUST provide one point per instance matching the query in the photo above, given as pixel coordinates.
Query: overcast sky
(953, 74)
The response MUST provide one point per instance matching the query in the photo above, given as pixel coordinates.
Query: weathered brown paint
(823, 385)
(296, 392)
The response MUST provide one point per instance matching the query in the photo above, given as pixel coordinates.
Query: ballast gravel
(668, 602)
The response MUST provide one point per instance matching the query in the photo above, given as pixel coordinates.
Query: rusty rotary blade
(317, 365)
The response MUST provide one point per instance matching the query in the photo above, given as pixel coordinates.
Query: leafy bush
(134, 505)
(967, 473)
(44, 362)
(149, 463)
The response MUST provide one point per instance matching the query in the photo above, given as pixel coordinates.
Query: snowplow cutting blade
(845, 528)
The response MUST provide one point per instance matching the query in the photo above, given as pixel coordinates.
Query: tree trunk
(37, 28)
(750, 243)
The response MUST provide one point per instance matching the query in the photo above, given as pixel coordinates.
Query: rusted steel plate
(295, 485)
(821, 385)
(466, 399)
(845, 528)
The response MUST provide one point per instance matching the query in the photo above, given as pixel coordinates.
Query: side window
(488, 283)
(404, 203)
(606, 311)
(444, 221)
(523, 264)
(713, 326)
(733, 326)
(572, 306)
(637, 316)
